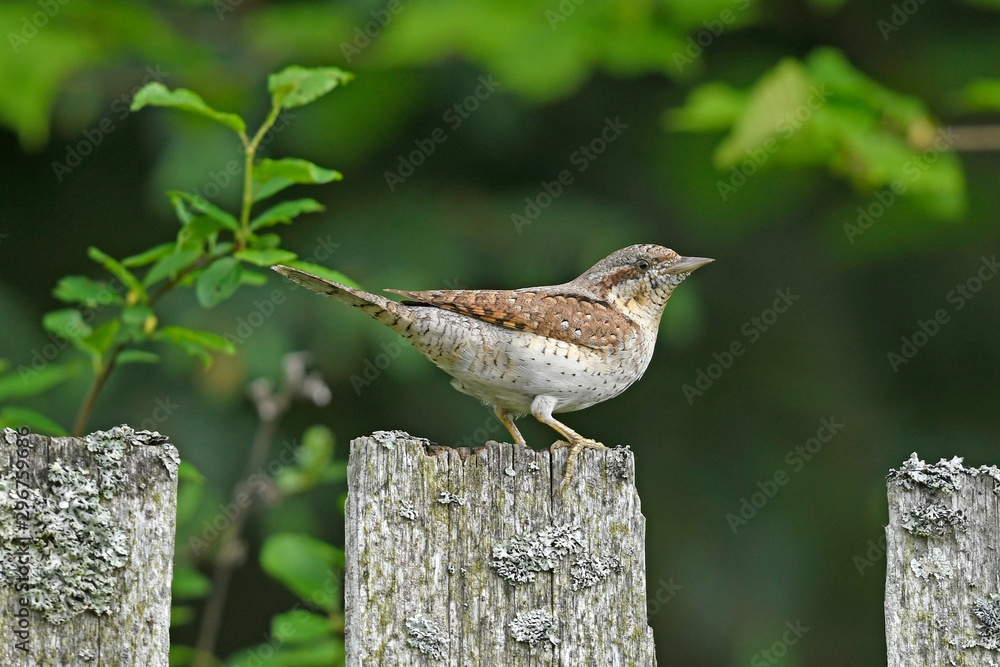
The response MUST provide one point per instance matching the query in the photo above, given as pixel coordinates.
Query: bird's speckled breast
(508, 368)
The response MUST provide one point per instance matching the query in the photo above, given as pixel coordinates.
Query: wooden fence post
(472, 557)
(942, 587)
(86, 548)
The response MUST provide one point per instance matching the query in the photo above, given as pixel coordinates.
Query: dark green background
(450, 225)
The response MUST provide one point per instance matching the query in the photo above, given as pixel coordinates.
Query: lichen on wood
(86, 547)
(943, 567)
(517, 574)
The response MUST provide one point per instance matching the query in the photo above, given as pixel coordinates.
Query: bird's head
(639, 279)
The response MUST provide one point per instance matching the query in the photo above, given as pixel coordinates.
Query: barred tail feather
(386, 311)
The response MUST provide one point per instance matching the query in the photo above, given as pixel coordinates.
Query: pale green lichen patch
(935, 565)
(448, 498)
(942, 476)
(987, 613)
(589, 570)
(75, 544)
(61, 540)
(407, 510)
(519, 559)
(531, 627)
(425, 635)
(933, 519)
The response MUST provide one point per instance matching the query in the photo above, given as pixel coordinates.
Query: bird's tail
(386, 311)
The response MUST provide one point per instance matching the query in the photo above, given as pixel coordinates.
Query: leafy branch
(214, 253)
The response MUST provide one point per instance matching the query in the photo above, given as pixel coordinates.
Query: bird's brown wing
(561, 315)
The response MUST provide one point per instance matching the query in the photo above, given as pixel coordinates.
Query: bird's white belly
(509, 368)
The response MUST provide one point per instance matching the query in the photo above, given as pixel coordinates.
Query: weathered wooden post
(472, 557)
(942, 588)
(86, 548)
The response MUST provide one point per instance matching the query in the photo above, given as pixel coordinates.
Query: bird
(536, 350)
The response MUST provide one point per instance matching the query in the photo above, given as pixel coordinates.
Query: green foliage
(823, 112)
(156, 94)
(313, 463)
(209, 253)
(310, 568)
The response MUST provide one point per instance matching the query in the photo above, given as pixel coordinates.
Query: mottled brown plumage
(563, 316)
(542, 350)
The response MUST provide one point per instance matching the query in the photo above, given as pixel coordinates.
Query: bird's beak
(688, 264)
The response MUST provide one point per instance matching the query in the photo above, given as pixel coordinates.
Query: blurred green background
(842, 152)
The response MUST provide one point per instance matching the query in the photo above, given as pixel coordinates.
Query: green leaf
(273, 176)
(31, 382)
(982, 95)
(198, 344)
(272, 187)
(116, 269)
(311, 459)
(266, 256)
(309, 567)
(202, 205)
(284, 212)
(156, 94)
(138, 357)
(181, 656)
(99, 342)
(252, 278)
(189, 583)
(265, 241)
(171, 265)
(218, 282)
(323, 272)
(197, 230)
(66, 323)
(295, 170)
(299, 625)
(16, 417)
(295, 86)
(711, 107)
(188, 473)
(91, 293)
(150, 256)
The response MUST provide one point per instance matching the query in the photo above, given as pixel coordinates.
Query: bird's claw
(575, 447)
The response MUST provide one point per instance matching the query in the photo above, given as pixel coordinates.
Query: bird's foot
(577, 445)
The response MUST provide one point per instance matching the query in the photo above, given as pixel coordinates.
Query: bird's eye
(642, 265)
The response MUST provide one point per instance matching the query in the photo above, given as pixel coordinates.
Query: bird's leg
(541, 408)
(507, 420)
